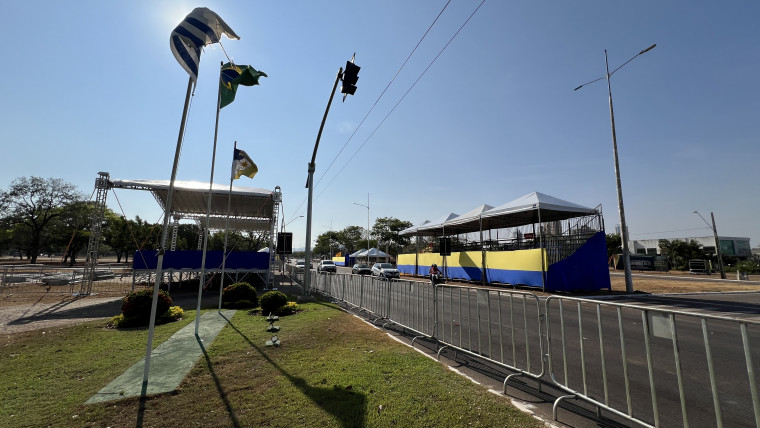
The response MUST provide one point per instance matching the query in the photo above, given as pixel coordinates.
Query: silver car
(385, 270)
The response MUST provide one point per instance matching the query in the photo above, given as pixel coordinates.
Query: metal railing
(34, 278)
(653, 366)
(501, 326)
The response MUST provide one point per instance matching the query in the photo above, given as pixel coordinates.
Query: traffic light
(350, 77)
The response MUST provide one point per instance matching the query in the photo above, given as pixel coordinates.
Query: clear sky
(92, 86)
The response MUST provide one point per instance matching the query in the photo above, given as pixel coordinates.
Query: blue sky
(92, 86)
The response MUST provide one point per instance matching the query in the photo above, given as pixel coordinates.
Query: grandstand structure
(231, 208)
(536, 240)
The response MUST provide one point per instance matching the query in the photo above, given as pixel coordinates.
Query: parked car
(300, 265)
(361, 269)
(385, 270)
(326, 266)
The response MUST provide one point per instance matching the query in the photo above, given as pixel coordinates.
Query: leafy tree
(147, 235)
(614, 244)
(34, 202)
(19, 241)
(352, 238)
(238, 241)
(187, 236)
(678, 252)
(386, 231)
(70, 230)
(327, 243)
(118, 236)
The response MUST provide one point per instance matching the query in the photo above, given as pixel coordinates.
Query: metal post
(621, 209)
(310, 185)
(717, 247)
(162, 250)
(624, 228)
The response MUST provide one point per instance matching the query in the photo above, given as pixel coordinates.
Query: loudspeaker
(285, 243)
(445, 246)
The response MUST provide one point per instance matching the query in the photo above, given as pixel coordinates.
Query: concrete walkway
(169, 363)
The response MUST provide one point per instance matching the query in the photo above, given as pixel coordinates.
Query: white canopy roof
(249, 208)
(373, 252)
(533, 208)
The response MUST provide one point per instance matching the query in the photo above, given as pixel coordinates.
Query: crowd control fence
(501, 326)
(648, 365)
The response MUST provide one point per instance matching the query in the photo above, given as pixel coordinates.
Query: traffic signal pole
(350, 77)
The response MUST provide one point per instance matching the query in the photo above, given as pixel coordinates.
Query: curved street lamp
(623, 227)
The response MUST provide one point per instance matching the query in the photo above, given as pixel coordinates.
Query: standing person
(435, 274)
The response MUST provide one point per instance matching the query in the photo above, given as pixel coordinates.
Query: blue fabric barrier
(236, 260)
(585, 269)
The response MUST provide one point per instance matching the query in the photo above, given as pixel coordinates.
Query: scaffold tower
(101, 191)
(277, 199)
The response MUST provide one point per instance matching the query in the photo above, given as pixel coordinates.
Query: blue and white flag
(242, 164)
(200, 27)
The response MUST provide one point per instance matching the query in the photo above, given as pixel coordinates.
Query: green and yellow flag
(233, 75)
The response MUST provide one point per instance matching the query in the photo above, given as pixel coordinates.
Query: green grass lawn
(332, 370)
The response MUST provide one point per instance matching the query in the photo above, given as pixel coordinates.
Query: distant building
(729, 246)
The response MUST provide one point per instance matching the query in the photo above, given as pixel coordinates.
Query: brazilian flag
(234, 75)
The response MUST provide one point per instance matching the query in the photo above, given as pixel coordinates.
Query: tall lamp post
(623, 227)
(717, 242)
(367, 207)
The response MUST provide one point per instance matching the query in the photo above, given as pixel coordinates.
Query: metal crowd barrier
(650, 366)
(35, 278)
(653, 366)
(501, 326)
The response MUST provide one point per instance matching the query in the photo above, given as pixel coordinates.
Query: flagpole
(208, 209)
(226, 228)
(162, 248)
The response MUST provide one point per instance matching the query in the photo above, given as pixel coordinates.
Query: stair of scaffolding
(277, 200)
(101, 191)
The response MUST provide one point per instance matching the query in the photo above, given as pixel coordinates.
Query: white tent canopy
(532, 208)
(373, 252)
(249, 208)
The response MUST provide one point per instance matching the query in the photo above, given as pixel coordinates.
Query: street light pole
(367, 207)
(718, 251)
(621, 209)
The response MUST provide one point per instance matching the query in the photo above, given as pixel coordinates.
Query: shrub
(287, 309)
(137, 304)
(271, 301)
(175, 313)
(239, 295)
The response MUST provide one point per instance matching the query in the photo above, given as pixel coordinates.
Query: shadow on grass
(218, 384)
(347, 407)
(61, 311)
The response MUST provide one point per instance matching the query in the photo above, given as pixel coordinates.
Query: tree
(33, 202)
(678, 252)
(614, 244)
(327, 243)
(386, 231)
(70, 230)
(238, 241)
(118, 235)
(351, 238)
